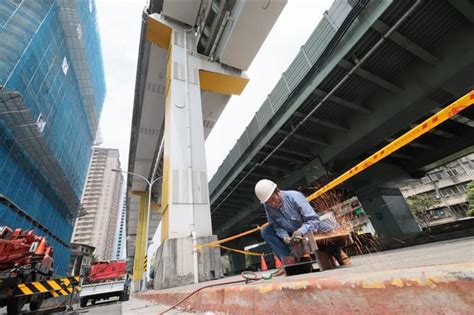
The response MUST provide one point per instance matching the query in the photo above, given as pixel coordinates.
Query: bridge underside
(424, 65)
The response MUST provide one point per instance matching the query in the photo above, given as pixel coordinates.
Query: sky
(119, 25)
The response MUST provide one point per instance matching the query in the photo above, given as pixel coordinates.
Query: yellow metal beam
(158, 33)
(430, 123)
(139, 193)
(221, 83)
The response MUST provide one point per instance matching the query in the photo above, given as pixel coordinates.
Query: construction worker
(290, 216)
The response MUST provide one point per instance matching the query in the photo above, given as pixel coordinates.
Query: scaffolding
(52, 89)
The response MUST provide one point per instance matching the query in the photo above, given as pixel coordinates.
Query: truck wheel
(124, 296)
(35, 305)
(83, 302)
(15, 305)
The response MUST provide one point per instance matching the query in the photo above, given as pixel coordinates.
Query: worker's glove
(287, 240)
(297, 235)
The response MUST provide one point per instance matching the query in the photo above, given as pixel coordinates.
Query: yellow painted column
(140, 245)
(165, 190)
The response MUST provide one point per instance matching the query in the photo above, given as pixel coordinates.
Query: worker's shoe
(341, 257)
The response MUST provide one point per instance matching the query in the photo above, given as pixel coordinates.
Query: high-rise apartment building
(52, 89)
(101, 201)
(120, 238)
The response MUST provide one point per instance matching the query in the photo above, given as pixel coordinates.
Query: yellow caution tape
(216, 243)
(245, 252)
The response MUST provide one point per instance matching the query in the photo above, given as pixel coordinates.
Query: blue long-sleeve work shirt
(294, 214)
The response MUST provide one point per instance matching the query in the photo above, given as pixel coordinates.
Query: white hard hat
(264, 189)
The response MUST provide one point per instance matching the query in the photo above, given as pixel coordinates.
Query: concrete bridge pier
(192, 83)
(389, 213)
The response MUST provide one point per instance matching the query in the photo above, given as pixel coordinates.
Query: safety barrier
(56, 287)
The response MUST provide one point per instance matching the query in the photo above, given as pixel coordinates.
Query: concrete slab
(429, 278)
(176, 269)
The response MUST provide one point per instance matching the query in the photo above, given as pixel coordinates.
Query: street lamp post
(150, 185)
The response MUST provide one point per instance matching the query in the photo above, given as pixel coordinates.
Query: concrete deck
(431, 278)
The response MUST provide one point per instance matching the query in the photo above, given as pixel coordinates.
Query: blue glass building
(52, 89)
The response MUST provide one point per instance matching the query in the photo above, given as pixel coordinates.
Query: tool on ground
(253, 276)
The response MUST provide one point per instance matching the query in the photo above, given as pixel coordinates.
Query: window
(65, 66)
(440, 213)
(437, 175)
(455, 171)
(462, 187)
(451, 172)
(448, 191)
(469, 164)
(40, 123)
(460, 208)
(425, 180)
(79, 31)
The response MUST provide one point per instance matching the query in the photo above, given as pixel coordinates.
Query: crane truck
(106, 279)
(24, 258)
